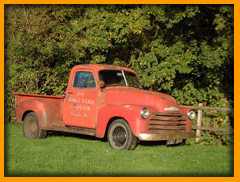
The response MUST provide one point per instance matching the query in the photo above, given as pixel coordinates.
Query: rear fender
(44, 111)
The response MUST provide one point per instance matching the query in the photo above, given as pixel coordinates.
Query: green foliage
(183, 50)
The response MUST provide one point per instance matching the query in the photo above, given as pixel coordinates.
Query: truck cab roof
(98, 67)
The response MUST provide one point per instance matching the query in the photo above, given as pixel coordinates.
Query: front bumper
(170, 136)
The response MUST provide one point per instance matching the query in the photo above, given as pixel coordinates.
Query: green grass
(75, 155)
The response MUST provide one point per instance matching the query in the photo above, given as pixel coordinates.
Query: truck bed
(54, 103)
(38, 95)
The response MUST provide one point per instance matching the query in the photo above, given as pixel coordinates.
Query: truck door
(80, 102)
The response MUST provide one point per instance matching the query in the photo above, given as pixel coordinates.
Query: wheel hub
(119, 136)
(33, 127)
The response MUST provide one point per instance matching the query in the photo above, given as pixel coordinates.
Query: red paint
(94, 107)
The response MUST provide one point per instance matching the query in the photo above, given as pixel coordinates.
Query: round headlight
(191, 114)
(145, 113)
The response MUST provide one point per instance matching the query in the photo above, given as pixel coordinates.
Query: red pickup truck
(106, 100)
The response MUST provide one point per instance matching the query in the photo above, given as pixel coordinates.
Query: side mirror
(102, 84)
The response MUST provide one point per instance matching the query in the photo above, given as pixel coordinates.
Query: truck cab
(106, 100)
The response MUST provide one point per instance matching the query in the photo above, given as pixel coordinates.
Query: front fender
(132, 114)
(44, 111)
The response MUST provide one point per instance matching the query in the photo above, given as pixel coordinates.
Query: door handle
(70, 93)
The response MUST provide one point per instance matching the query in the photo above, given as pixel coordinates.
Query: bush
(182, 50)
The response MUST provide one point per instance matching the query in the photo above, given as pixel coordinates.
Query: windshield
(119, 78)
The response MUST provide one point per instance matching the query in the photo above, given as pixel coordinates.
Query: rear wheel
(120, 135)
(31, 128)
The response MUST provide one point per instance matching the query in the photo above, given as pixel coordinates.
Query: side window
(84, 79)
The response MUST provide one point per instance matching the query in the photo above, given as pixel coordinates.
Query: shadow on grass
(92, 138)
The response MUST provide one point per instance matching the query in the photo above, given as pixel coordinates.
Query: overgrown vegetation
(182, 50)
(75, 155)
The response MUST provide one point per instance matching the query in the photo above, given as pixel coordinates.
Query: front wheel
(176, 142)
(120, 135)
(31, 128)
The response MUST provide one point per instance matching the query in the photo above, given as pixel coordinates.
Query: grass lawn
(76, 155)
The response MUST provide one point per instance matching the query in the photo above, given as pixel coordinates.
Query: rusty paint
(166, 136)
(167, 123)
(83, 131)
(89, 110)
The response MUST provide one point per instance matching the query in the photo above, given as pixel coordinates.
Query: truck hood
(133, 96)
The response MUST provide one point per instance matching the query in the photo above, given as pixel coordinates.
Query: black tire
(31, 128)
(120, 135)
(183, 142)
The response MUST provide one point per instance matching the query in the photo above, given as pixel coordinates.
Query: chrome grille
(167, 123)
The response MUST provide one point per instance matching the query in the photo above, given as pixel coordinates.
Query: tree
(183, 50)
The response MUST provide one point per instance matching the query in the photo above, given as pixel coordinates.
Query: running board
(83, 131)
